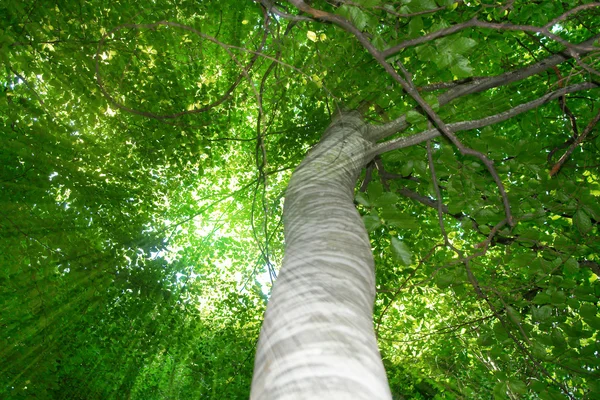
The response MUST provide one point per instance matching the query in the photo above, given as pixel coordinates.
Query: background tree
(145, 152)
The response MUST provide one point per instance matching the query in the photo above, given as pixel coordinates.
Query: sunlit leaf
(401, 251)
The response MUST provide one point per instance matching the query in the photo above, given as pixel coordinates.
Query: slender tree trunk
(317, 339)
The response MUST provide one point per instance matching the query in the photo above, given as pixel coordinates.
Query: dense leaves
(145, 152)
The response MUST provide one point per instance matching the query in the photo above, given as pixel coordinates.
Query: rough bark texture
(317, 339)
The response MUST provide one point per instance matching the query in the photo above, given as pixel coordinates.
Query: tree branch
(406, 83)
(576, 143)
(475, 23)
(475, 85)
(408, 141)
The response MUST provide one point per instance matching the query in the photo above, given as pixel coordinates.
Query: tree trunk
(317, 339)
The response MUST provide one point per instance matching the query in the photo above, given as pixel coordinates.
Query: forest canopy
(145, 149)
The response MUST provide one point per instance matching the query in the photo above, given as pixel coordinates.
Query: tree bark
(317, 340)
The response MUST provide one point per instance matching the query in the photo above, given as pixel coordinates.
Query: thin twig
(576, 143)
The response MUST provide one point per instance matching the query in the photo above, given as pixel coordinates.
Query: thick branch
(475, 23)
(482, 84)
(477, 85)
(406, 81)
(480, 123)
(408, 86)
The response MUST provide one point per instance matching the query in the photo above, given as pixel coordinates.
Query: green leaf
(415, 26)
(433, 101)
(542, 313)
(573, 303)
(386, 199)
(573, 330)
(414, 117)
(500, 391)
(392, 216)
(371, 222)
(486, 216)
(417, 6)
(591, 205)
(421, 168)
(558, 339)
(593, 322)
(354, 14)
(558, 298)
(514, 315)
(461, 67)
(374, 190)
(485, 340)
(344, 11)
(444, 59)
(571, 266)
(426, 52)
(363, 199)
(582, 221)
(461, 45)
(407, 168)
(517, 386)
(588, 310)
(541, 298)
(445, 278)
(380, 44)
(538, 386)
(400, 251)
(500, 331)
(539, 350)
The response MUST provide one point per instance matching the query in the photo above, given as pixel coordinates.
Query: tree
(319, 323)
(474, 145)
(317, 327)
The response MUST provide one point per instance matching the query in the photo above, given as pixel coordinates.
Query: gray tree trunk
(317, 339)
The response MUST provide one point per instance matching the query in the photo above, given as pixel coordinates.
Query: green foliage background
(138, 236)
